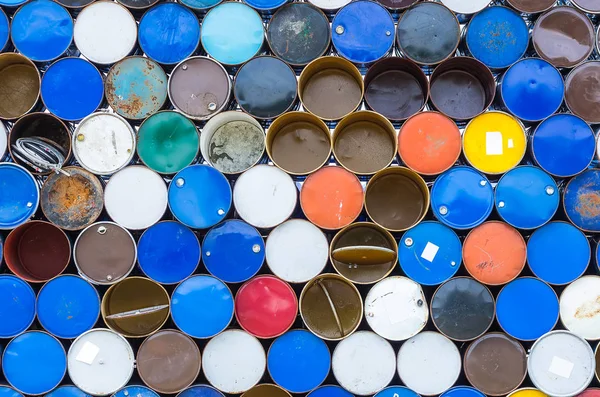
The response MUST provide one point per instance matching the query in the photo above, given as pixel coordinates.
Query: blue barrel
(558, 253)
(462, 198)
(42, 30)
(563, 145)
(532, 89)
(265, 5)
(298, 361)
(330, 391)
(199, 196)
(396, 391)
(72, 88)
(527, 308)
(34, 363)
(233, 251)
(168, 252)
(19, 195)
(4, 30)
(11, 4)
(200, 5)
(135, 391)
(68, 306)
(526, 197)
(497, 36)
(202, 306)
(232, 33)
(169, 33)
(462, 391)
(199, 391)
(66, 391)
(581, 200)
(363, 32)
(17, 306)
(430, 253)
(6, 391)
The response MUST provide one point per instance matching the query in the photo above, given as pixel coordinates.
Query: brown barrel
(267, 390)
(19, 85)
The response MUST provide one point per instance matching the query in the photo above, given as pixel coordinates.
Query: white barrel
(296, 251)
(105, 32)
(466, 7)
(561, 364)
(3, 140)
(100, 362)
(234, 361)
(363, 363)
(580, 307)
(396, 308)
(103, 143)
(329, 5)
(429, 363)
(265, 196)
(135, 197)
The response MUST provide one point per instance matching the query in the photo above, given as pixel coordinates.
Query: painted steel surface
(17, 308)
(19, 195)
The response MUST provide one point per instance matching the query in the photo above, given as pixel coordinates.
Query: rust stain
(588, 205)
(588, 309)
(132, 106)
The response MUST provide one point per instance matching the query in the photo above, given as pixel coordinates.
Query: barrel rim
(560, 299)
(38, 195)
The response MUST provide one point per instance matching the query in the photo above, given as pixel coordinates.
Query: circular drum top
(582, 85)
(41, 30)
(265, 5)
(138, 391)
(531, 6)
(200, 391)
(587, 6)
(66, 391)
(4, 30)
(232, 33)
(19, 196)
(579, 307)
(329, 6)
(169, 33)
(20, 82)
(394, 391)
(466, 7)
(325, 391)
(581, 200)
(200, 5)
(17, 305)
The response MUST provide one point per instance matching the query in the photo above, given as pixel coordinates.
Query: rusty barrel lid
(581, 200)
(580, 307)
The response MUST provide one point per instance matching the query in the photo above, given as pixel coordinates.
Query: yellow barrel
(527, 392)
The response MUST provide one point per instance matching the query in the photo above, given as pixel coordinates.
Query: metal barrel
(37, 251)
(266, 7)
(202, 306)
(138, 6)
(329, 391)
(578, 307)
(100, 362)
(508, 368)
(396, 198)
(587, 7)
(580, 200)
(530, 9)
(104, 253)
(576, 84)
(34, 353)
(266, 390)
(68, 306)
(200, 7)
(168, 252)
(323, 192)
(168, 361)
(20, 203)
(329, 7)
(18, 306)
(466, 10)
(135, 307)
(298, 352)
(192, 204)
(74, 6)
(233, 251)
(264, 196)
(136, 390)
(11, 5)
(396, 308)
(266, 306)
(200, 391)
(396, 391)
(3, 142)
(21, 82)
(234, 361)
(546, 255)
(232, 142)
(67, 391)
(527, 392)
(462, 391)
(135, 197)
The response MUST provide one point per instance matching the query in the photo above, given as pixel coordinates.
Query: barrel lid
(324, 391)
(466, 8)
(137, 391)
(19, 195)
(200, 391)
(577, 85)
(527, 392)
(265, 5)
(200, 5)
(68, 306)
(581, 198)
(396, 391)
(12, 3)
(329, 6)
(3, 138)
(17, 306)
(580, 309)
(202, 306)
(67, 391)
(463, 391)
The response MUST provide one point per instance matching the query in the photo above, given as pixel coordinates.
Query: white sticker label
(430, 252)
(493, 143)
(511, 144)
(88, 353)
(561, 367)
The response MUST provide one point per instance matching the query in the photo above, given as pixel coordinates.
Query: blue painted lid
(4, 30)
(66, 391)
(581, 200)
(396, 391)
(136, 391)
(432, 254)
(42, 30)
(202, 306)
(199, 391)
(464, 195)
(17, 306)
(12, 3)
(6, 391)
(168, 252)
(558, 253)
(330, 391)
(34, 362)
(265, 5)
(19, 195)
(200, 5)
(232, 33)
(563, 145)
(298, 361)
(233, 251)
(68, 306)
(72, 88)
(199, 196)
(497, 36)
(532, 89)
(367, 31)
(527, 308)
(526, 197)
(169, 33)
(462, 391)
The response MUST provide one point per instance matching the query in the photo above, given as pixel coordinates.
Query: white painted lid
(580, 307)
(264, 196)
(396, 308)
(105, 32)
(429, 363)
(561, 364)
(329, 5)
(135, 197)
(3, 140)
(297, 251)
(466, 7)
(234, 361)
(100, 362)
(103, 143)
(364, 363)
